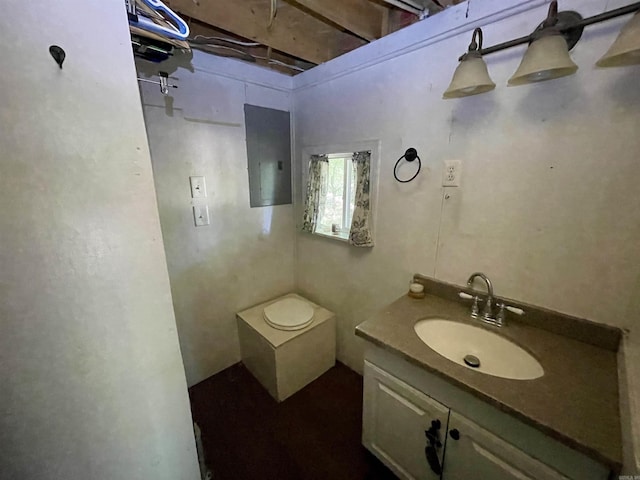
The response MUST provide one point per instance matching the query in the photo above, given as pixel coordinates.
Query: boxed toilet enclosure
(284, 361)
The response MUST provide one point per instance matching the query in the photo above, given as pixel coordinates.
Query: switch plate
(451, 174)
(198, 187)
(201, 215)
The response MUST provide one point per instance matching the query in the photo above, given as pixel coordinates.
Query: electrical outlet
(451, 173)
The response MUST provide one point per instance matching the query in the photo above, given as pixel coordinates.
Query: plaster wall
(245, 256)
(548, 207)
(92, 380)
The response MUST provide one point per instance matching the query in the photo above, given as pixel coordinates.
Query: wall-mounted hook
(58, 54)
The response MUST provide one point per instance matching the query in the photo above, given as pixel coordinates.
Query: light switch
(198, 187)
(201, 215)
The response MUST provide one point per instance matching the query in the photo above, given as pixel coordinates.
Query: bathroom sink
(478, 349)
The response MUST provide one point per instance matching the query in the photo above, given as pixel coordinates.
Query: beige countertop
(575, 401)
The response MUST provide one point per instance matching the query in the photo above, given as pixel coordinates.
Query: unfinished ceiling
(292, 36)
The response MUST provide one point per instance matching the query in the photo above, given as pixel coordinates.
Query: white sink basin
(498, 356)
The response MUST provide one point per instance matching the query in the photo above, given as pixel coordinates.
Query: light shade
(470, 78)
(626, 49)
(546, 58)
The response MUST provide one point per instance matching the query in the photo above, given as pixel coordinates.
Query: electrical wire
(273, 11)
(255, 57)
(282, 64)
(242, 53)
(228, 40)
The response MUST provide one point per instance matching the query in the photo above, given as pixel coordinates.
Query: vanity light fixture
(626, 49)
(471, 77)
(548, 54)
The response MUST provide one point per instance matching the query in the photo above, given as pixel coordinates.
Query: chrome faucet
(487, 311)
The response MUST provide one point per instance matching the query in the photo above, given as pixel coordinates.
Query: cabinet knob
(455, 434)
(433, 435)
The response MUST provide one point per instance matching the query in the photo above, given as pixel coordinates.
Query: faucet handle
(474, 308)
(516, 310)
(500, 318)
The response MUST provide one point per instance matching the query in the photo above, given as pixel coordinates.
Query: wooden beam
(293, 31)
(361, 17)
(398, 19)
(395, 18)
(386, 30)
(258, 53)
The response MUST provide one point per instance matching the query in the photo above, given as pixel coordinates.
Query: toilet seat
(288, 314)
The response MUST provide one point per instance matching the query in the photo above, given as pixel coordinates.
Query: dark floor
(315, 434)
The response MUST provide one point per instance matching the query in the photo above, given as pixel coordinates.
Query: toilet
(288, 314)
(286, 343)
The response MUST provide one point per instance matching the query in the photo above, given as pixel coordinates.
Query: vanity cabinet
(402, 406)
(396, 417)
(474, 452)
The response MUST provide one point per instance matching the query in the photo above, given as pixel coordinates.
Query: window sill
(340, 237)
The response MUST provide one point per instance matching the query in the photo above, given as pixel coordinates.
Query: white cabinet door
(472, 453)
(395, 419)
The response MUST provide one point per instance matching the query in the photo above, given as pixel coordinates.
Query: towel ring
(410, 155)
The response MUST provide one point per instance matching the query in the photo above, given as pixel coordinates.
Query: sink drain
(472, 361)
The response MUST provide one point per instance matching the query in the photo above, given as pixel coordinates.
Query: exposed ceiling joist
(293, 31)
(220, 43)
(360, 17)
(407, 7)
(422, 7)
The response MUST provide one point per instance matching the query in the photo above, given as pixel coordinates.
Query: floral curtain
(316, 192)
(360, 233)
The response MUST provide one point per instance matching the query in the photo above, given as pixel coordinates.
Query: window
(340, 192)
(335, 218)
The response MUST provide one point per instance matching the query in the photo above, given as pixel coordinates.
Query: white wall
(92, 381)
(549, 205)
(246, 255)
